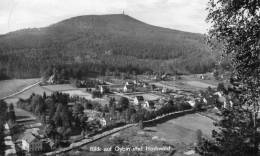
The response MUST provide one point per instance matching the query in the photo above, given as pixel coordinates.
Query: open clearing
(8, 87)
(182, 130)
(26, 94)
(200, 84)
(147, 96)
(61, 87)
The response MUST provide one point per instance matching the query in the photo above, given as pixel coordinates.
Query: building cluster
(33, 142)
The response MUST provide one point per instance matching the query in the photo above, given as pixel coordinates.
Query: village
(89, 107)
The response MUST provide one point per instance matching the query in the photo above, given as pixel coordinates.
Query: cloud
(187, 15)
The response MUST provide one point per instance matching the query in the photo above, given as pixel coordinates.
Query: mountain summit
(116, 41)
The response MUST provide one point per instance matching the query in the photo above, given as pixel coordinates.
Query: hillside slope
(114, 41)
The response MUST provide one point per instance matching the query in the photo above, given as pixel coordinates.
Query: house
(103, 89)
(149, 105)
(31, 143)
(51, 144)
(165, 90)
(156, 78)
(136, 82)
(165, 76)
(192, 103)
(51, 80)
(162, 101)
(138, 100)
(128, 88)
(145, 85)
(221, 100)
(129, 83)
(103, 122)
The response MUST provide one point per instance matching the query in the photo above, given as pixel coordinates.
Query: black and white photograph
(129, 77)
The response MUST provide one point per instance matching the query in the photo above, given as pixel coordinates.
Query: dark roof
(140, 98)
(29, 137)
(129, 86)
(104, 86)
(151, 103)
(130, 82)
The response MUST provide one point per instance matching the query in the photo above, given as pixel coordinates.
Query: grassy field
(200, 84)
(26, 94)
(185, 84)
(61, 87)
(182, 129)
(8, 87)
(147, 96)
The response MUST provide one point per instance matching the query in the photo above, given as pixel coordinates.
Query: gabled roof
(29, 137)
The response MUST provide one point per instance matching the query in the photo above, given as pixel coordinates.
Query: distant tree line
(22, 65)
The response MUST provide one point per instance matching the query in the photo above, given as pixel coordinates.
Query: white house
(31, 143)
(128, 88)
(138, 100)
(149, 104)
(103, 122)
(221, 99)
(192, 103)
(103, 89)
(51, 79)
(129, 83)
(165, 90)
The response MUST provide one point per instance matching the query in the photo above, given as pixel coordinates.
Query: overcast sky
(187, 15)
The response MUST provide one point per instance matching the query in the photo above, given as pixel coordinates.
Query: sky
(186, 15)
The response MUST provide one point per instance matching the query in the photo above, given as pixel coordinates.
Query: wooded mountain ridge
(104, 42)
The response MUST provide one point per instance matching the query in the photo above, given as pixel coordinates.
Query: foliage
(235, 23)
(122, 104)
(198, 137)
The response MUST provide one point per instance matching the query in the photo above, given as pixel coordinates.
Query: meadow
(8, 87)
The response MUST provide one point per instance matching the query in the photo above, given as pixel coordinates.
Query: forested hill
(99, 42)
